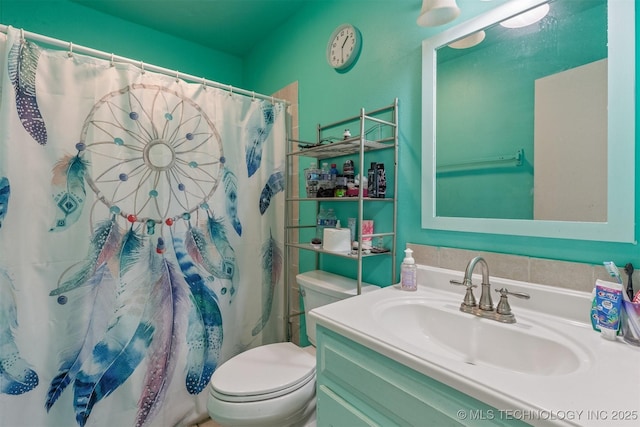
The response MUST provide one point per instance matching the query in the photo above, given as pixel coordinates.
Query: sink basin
(547, 363)
(437, 326)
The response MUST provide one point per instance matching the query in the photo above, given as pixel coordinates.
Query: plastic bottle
(365, 186)
(325, 184)
(348, 170)
(311, 179)
(325, 172)
(321, 223)
(332, 219)
(381, 180)
(408, 272)
(333, 171)
(608, 303)
(372, 181)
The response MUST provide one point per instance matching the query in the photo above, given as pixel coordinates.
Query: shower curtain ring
(112, 61)
(273, 102)
(204, 83)
(142, 67)
(177, 76)
(230, 90)
(21, 34)
(253, 96)
(70, 53)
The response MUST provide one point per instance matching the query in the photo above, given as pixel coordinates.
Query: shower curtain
(141, 229)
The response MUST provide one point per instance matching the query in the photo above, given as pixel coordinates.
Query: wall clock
(344, 46)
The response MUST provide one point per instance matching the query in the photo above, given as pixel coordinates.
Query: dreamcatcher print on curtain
(133, 208)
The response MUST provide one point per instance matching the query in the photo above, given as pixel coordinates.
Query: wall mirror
(529, 128)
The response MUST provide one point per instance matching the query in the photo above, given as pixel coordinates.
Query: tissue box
(336, 240)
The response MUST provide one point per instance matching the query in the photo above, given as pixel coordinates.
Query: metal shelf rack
(378, 130)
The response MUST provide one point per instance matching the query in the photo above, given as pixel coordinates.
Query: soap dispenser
(408, 272)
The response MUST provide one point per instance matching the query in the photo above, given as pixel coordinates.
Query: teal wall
(390, 66)
(68, 21)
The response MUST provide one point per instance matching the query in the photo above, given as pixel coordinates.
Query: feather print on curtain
(259, 126)
(16, 375)
(137, 277)
(272, 269)
(23, 63)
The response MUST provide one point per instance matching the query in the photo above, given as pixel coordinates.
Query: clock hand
(342, 47)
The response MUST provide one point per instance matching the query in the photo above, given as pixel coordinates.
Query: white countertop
(605, 391)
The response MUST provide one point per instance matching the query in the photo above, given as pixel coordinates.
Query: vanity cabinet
(375, 139)
(360, 387)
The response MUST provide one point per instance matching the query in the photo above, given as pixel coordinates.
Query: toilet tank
(320, 288)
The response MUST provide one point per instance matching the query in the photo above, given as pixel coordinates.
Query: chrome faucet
(485, 296)
(485, 309)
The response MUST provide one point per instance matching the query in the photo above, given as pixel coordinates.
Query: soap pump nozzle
(408, 257)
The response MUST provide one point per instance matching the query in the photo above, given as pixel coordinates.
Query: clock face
(343, 46)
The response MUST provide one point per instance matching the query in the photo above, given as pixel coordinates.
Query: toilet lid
(264, 370)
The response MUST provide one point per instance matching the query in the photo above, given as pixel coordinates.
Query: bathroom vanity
(413, 358)
(357, 386)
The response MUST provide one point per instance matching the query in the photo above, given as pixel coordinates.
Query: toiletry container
(273, 385)
(348, 170)
(408, 272)
(381, 181)
(365, 186)
(341, 186)
(372, 181)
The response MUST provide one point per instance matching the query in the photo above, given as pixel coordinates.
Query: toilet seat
(263, 373)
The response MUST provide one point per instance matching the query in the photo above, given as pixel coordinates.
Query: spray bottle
(408, 272)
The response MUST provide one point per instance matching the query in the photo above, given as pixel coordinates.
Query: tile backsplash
(562, 274)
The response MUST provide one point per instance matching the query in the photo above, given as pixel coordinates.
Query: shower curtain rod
(144, 67)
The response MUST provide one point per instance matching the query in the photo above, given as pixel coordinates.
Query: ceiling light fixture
(527, 18)
(437, 12)
(469, 41)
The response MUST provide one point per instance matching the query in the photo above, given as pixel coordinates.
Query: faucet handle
(469, 298)
(503, 306)
(505, 291)
(459, 283)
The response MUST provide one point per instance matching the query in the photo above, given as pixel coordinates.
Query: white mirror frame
(621, 134)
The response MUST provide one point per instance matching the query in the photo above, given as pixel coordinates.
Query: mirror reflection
(529, 128)
(521, 122)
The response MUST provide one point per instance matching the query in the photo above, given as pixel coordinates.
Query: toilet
(275, 384)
